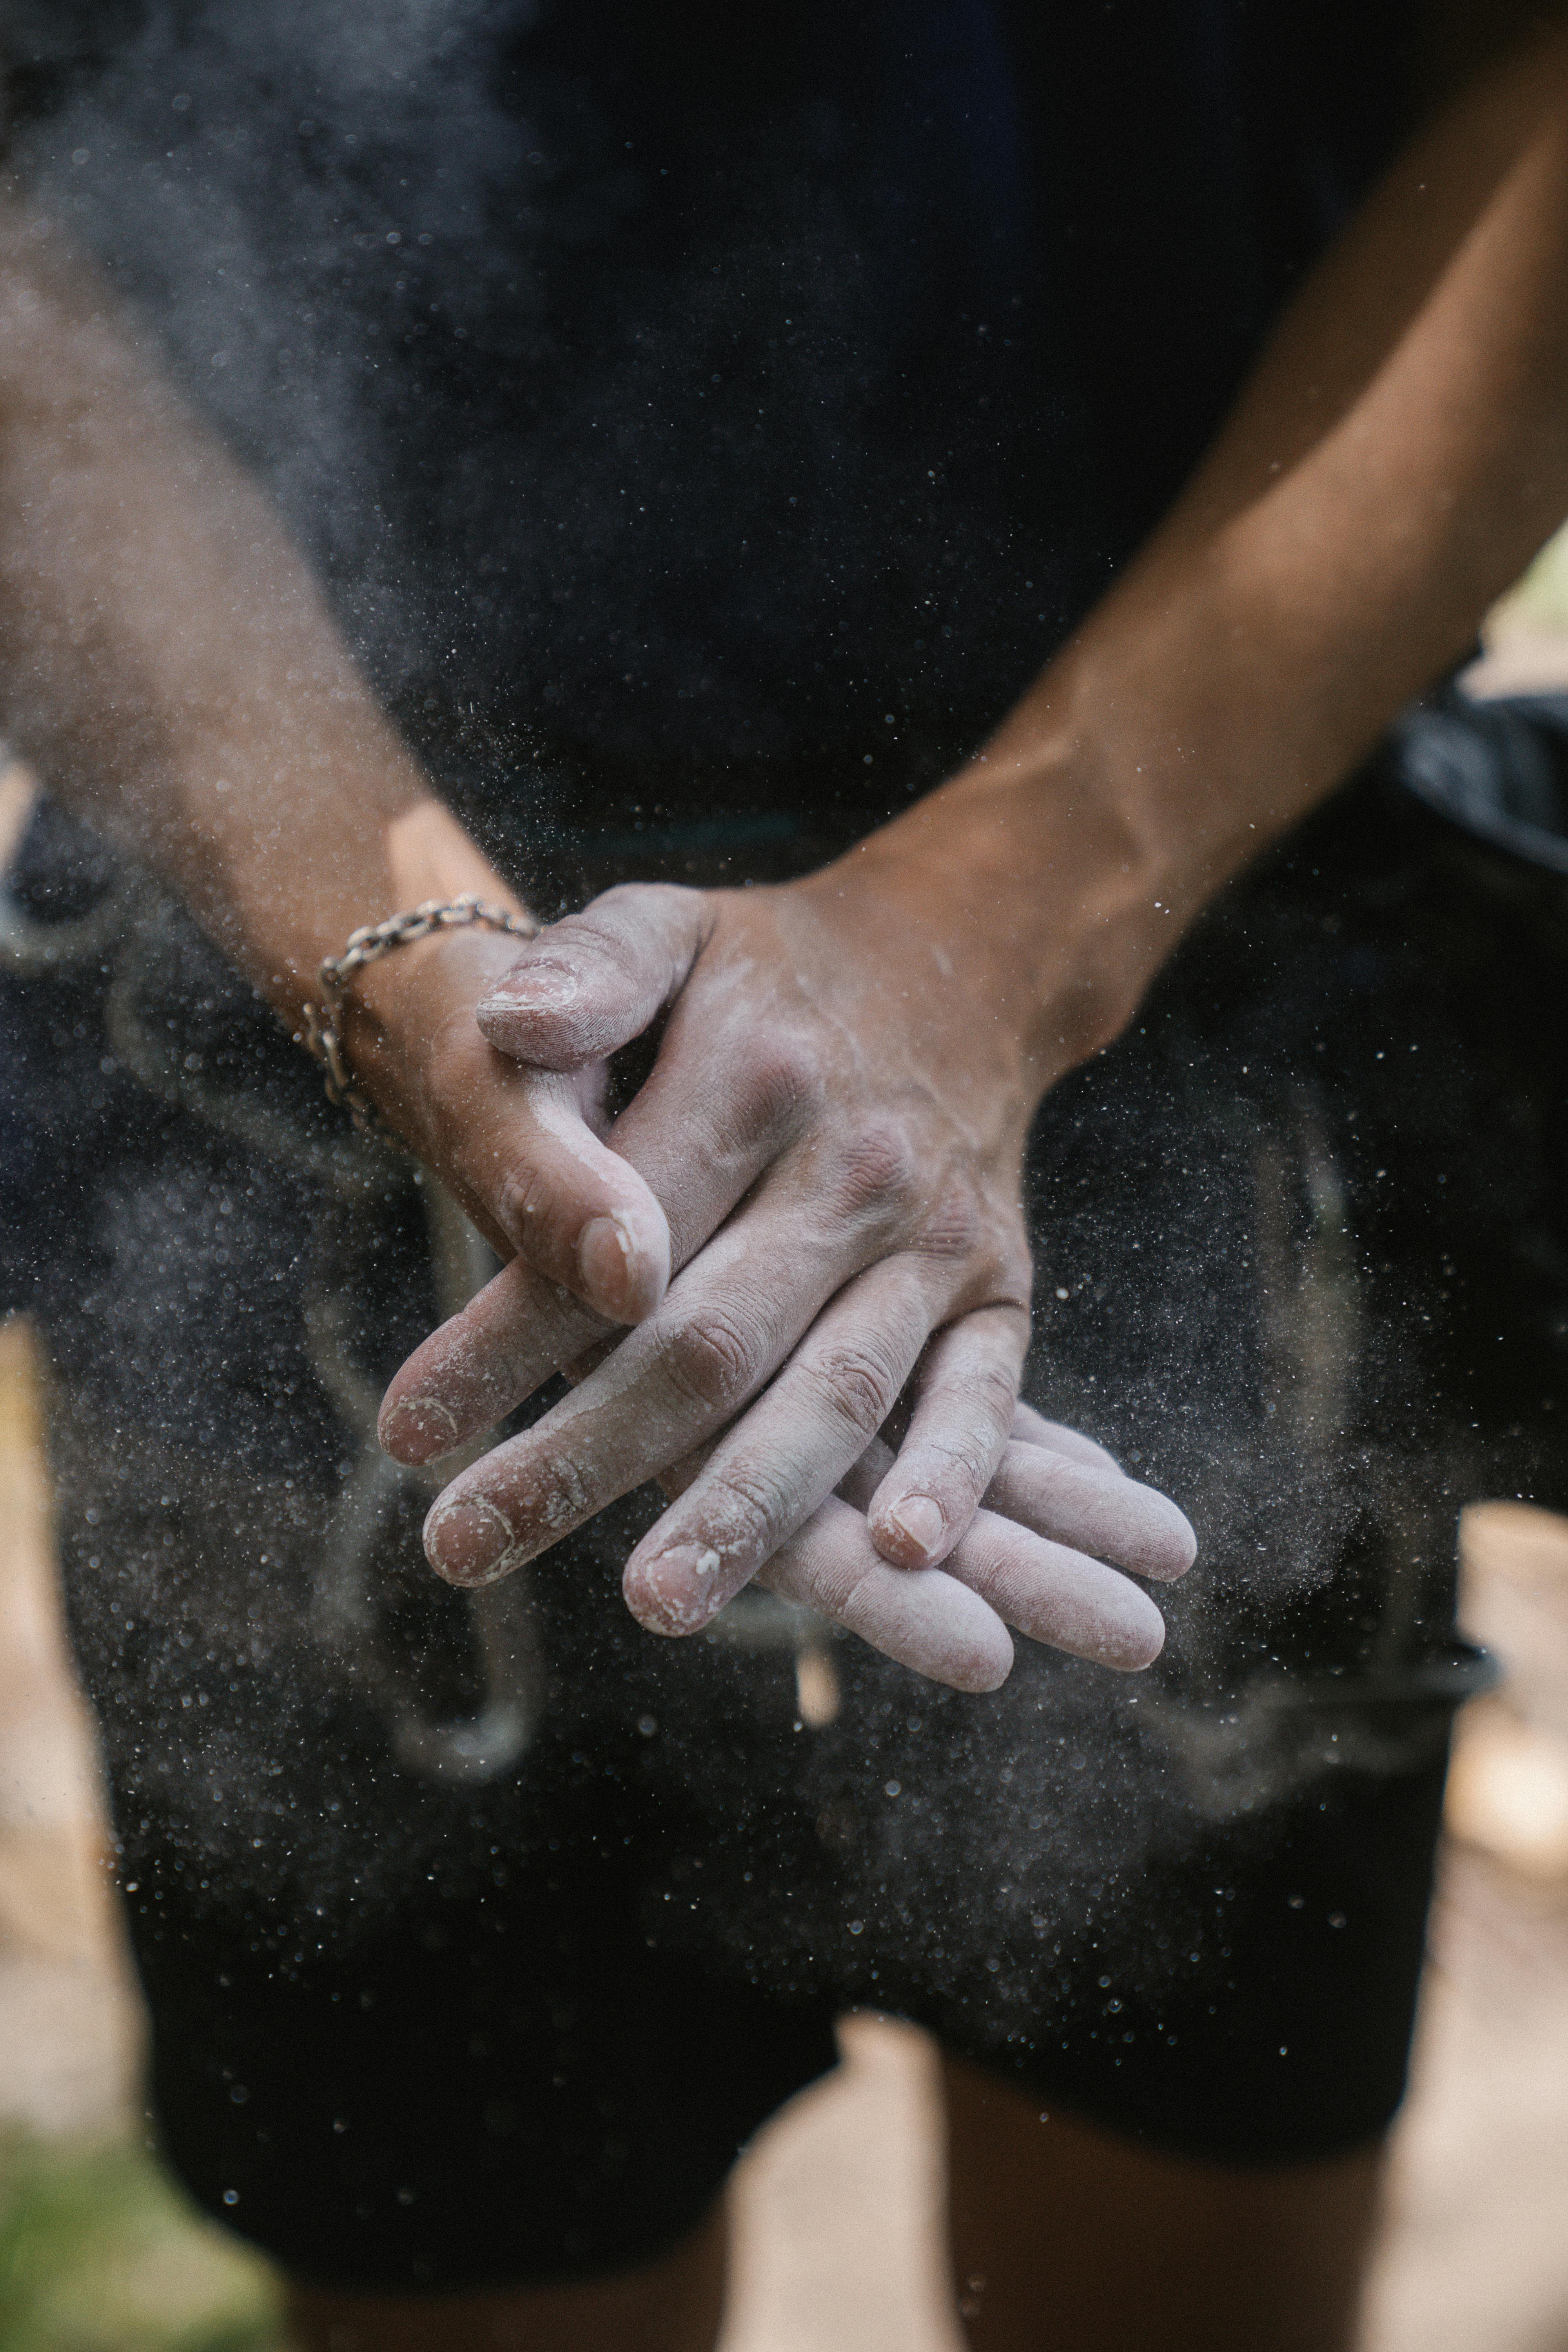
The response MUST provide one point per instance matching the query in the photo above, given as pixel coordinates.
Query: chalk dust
(836, 2205)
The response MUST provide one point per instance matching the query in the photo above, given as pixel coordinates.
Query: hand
(820, 1067)
(1052, 1484)
(516, 1147)
(838, 1155)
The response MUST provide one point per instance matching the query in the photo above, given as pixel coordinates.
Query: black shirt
(746, 400)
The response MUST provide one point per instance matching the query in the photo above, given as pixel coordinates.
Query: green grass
(101, 2253)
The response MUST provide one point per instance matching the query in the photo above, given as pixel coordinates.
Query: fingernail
(416, 1429)
(605, 1260)
(470, 1541)
(920, 1521)
(677, 1591)
(540, 987)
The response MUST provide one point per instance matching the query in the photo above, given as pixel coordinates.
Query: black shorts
(475, 1946)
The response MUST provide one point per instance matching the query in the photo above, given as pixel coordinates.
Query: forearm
(1401, 453)
(165, 658)
(168, 665)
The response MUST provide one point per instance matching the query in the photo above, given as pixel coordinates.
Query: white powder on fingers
(514, 1336)
(922, 1617)
(1060, 1596)
(1032, 1428)
(1094, 1510)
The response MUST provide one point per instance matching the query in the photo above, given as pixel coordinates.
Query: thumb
(588, 985)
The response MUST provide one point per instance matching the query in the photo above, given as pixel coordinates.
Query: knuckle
(621, 900)
(782, 1083)
(545, 1225)
(743, 1514)
(561, 1495)
(582, 946)
(989, 1397)
(631, 917)
(858, 1384)
(524, 1201)
(962, 1461)
(708, 1358)
(648, 902)
(876, 1173)
(952, 1225)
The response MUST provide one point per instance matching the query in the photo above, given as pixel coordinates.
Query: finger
(770, 1472)
(1058, 1595)
(712, 1116)
(922, 1617)
(861, 1480)
(1094, 1510)
(912, 1615)
(674, 1380)
(511, 1336)
(967, 1393)
(1032, 1428)
(584, 987)
(572, 1207)
(1045, 1590)
(516, 1149)
(701, 1145)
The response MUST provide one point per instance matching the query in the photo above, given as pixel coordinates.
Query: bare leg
(1069, 2237)
(674, 2305)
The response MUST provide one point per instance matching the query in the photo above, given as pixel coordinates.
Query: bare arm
(168, 663)
(1400, 452)
(165, 658)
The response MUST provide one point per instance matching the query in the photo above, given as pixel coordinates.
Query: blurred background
(837, 2203)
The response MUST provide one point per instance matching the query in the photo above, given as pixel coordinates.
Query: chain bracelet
(322, 1033)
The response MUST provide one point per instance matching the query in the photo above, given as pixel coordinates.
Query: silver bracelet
(322, 1033)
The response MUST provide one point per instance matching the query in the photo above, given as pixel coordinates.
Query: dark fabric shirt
(745, 399)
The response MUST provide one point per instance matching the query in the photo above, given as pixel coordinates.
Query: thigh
(671, 2305)
(1065, 2233)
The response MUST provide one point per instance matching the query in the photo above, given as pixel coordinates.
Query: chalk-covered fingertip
(909, 1531)
(546, 1015)
(468, 1541)
(1137, 1640)
(977, 1670)
(1170, 1547)
(674, 1592)
(416, 1429)
(623, 1265)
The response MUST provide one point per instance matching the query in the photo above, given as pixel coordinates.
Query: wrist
(328, 1022)
(378, 1005)
(283, 904)
(1158, 749)
(1039, 898)
(1191, 722)
(420, 856)
(408, 1020)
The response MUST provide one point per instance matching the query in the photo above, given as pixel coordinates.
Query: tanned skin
(166, 663)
